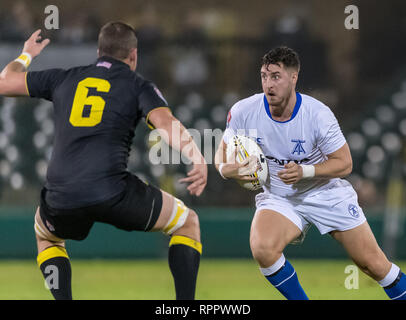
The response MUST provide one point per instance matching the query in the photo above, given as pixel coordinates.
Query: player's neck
(284, 111)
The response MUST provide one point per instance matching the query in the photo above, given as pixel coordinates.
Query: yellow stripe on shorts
(187, 242)
(51, 252)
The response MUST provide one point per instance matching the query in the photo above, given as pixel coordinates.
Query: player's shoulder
(318, 113)
(313, 103)
(247, 105)
(140, 82)
(74, 71)
(314, 107)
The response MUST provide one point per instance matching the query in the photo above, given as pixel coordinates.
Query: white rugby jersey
(307, 138)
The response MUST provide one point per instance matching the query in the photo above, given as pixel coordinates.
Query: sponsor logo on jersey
(286, 161)
(298, 146)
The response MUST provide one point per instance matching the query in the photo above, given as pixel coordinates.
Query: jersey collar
(295, 109)
(111, 60)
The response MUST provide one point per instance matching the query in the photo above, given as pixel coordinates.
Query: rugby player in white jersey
(307, 157)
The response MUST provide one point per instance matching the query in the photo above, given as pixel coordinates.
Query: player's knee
(191, 227)
(192, 220)
(265, 252)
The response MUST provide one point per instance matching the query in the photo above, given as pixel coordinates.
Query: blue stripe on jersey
(295, 110)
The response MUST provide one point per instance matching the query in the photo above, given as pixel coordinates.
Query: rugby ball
(248, 147)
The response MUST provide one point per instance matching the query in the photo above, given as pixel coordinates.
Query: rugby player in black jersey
(96, 110)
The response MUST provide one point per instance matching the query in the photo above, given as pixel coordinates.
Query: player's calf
(276, 269)
(185, 249)
(374, 264)
(270, 234)
(387, 274)
(182, 224)
(53, 261)
(362, 247)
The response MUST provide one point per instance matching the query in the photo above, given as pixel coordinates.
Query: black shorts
(136, 208)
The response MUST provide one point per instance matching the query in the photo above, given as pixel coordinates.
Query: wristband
(25, 59)
(308, 170)
(220, 169)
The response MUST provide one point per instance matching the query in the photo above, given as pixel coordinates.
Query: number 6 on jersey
(96, 103)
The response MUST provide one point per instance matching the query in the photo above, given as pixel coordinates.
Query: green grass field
(151, 280)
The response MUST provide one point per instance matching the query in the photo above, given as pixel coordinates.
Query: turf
(151, 280)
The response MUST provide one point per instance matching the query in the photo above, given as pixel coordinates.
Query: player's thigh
(176, 218)
(143, 207)
(168, 202)
(272, 231)
(362, 247)
(44, 237)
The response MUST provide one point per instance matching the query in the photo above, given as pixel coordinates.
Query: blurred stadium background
(204, 56)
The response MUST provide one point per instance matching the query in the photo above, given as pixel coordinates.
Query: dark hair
(116, 39)
(285, 55)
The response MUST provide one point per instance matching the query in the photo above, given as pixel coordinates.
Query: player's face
(277, 83)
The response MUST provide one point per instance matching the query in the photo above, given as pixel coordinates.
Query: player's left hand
(291, 174)
(34, 45)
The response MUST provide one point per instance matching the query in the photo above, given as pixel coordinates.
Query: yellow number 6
(82, 99)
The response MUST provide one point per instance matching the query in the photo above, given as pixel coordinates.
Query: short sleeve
(330, 137)
(233, 124)
(41, 84)
(149, 99)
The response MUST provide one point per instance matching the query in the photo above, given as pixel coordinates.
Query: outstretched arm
(176, 135)
(12, 78)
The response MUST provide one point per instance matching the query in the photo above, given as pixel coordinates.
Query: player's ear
(133, 54)
(295, 76)
(133, 58)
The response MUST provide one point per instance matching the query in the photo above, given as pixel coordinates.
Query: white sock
(390, 277)
(273, 268)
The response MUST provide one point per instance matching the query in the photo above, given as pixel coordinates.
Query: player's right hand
(34, 45)
(197, 177)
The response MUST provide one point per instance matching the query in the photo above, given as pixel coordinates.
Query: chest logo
(298, 147)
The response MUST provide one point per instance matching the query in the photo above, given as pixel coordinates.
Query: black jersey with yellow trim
(96, 110)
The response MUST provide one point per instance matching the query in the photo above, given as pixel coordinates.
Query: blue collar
(295, 110)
